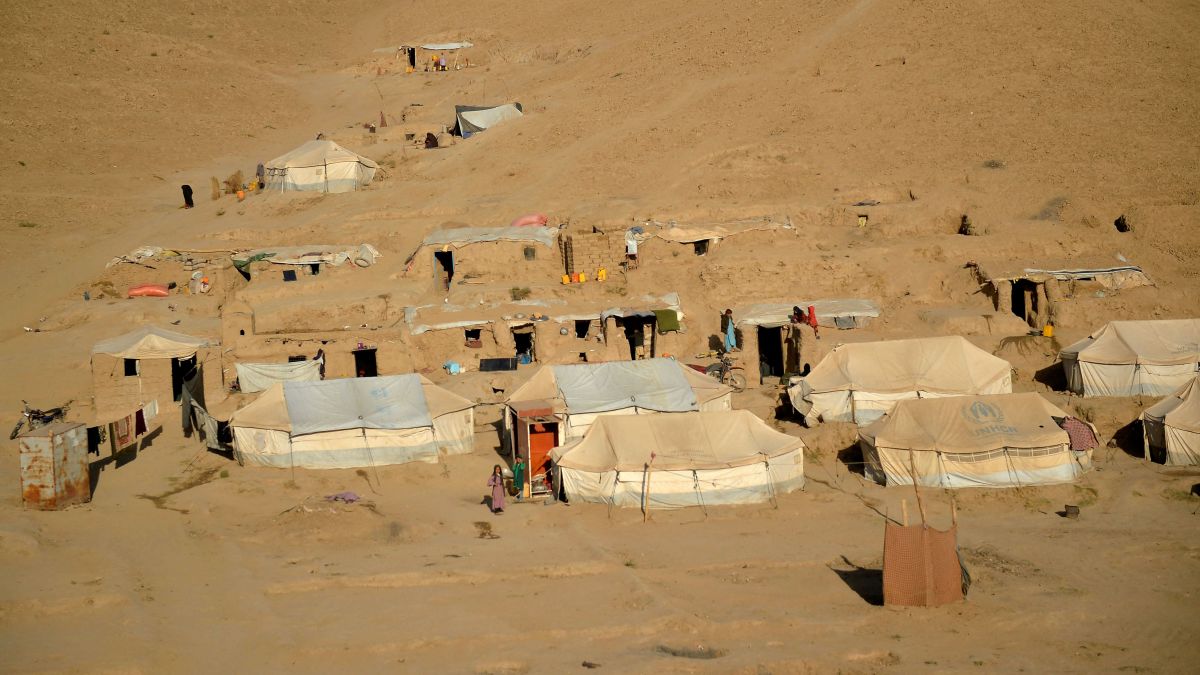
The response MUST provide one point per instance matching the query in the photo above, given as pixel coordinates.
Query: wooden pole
(912, 466)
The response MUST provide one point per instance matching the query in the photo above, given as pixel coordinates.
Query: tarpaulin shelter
(256, 377)
(559, 403)
(150, 342)
(859, 382)
(148, 363)
(471, 119)
(356, 422)
(1129, 358)
(320, 166)
(1171, 427)
(672, 461)
(1003, 440)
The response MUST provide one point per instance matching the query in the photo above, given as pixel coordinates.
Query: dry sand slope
(687, 110)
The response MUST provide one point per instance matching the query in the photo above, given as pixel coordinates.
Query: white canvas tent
(673, 461)
(320, 166)
(580, 393)
(1171, 427)
(1129, 358)
(357, 422)
(151, 342)
(859, 382)
(470, 119)
(1003, 440)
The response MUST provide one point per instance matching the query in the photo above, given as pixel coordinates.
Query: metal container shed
(54, 466)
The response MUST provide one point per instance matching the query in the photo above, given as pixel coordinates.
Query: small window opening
(131, 367)
(242, 331)
(700, 247)
(583, 357)
(296, 359)
(530, 253)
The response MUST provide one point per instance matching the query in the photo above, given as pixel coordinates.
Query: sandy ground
(1044, 122)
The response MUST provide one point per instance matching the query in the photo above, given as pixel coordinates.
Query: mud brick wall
(588, 252)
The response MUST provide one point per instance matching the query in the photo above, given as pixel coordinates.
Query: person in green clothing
(519, 477)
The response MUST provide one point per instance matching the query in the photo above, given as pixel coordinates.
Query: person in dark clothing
(187, 197)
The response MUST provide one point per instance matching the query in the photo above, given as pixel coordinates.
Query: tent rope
(699, 492)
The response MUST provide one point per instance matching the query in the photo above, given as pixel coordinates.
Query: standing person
(519, 477)
(187, 197)
(496, 482)
(442, 62)
(730, 331)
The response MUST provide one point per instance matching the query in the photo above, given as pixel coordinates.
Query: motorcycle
(726, 373)
(39, 418)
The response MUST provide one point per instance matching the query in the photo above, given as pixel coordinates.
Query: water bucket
(1048, 330)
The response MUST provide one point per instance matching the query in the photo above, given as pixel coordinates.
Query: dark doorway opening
(364, 363)
(770, 351)
(700, 247)
(443, 267)
(180, 370)
(636, 328)
(297, 359)
(314, 269)
(582, 328)
(1024, 300)
(523, 338)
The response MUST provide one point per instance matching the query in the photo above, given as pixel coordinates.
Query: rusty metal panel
(54, 466)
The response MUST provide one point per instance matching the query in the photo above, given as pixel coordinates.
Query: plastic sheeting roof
(463, 236)
(969, 424)
(1181, 409)
(1168, 342)
(317, 153)
(653, 384)
(771, 314)
(941, 364)
(393, 402)
(699, 440)
(470, 119)
(663, 385)
(151, 342)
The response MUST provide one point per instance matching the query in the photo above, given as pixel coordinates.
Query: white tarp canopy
(1171, 427)
(859, 382)
(1003, 440)
(673, 461)
(462, 236)
(320, 166)
(581, 393)
(151, 342)
(255, 377)
(470, 119)
(349, 423)
(362, 255)
(847, 313)
(1129, 358)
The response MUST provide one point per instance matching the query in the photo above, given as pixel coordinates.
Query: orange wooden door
(541, 441)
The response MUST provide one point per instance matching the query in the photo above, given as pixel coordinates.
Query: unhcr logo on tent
(988, 418)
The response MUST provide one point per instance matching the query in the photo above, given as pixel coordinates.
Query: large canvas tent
(1129, 358)
(559, 403)
(320, 166)
(859, 382)
(673, 461)
(1004, 440)
(580, 393)
(357, 422)
(471, 119)
(1171, 427)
